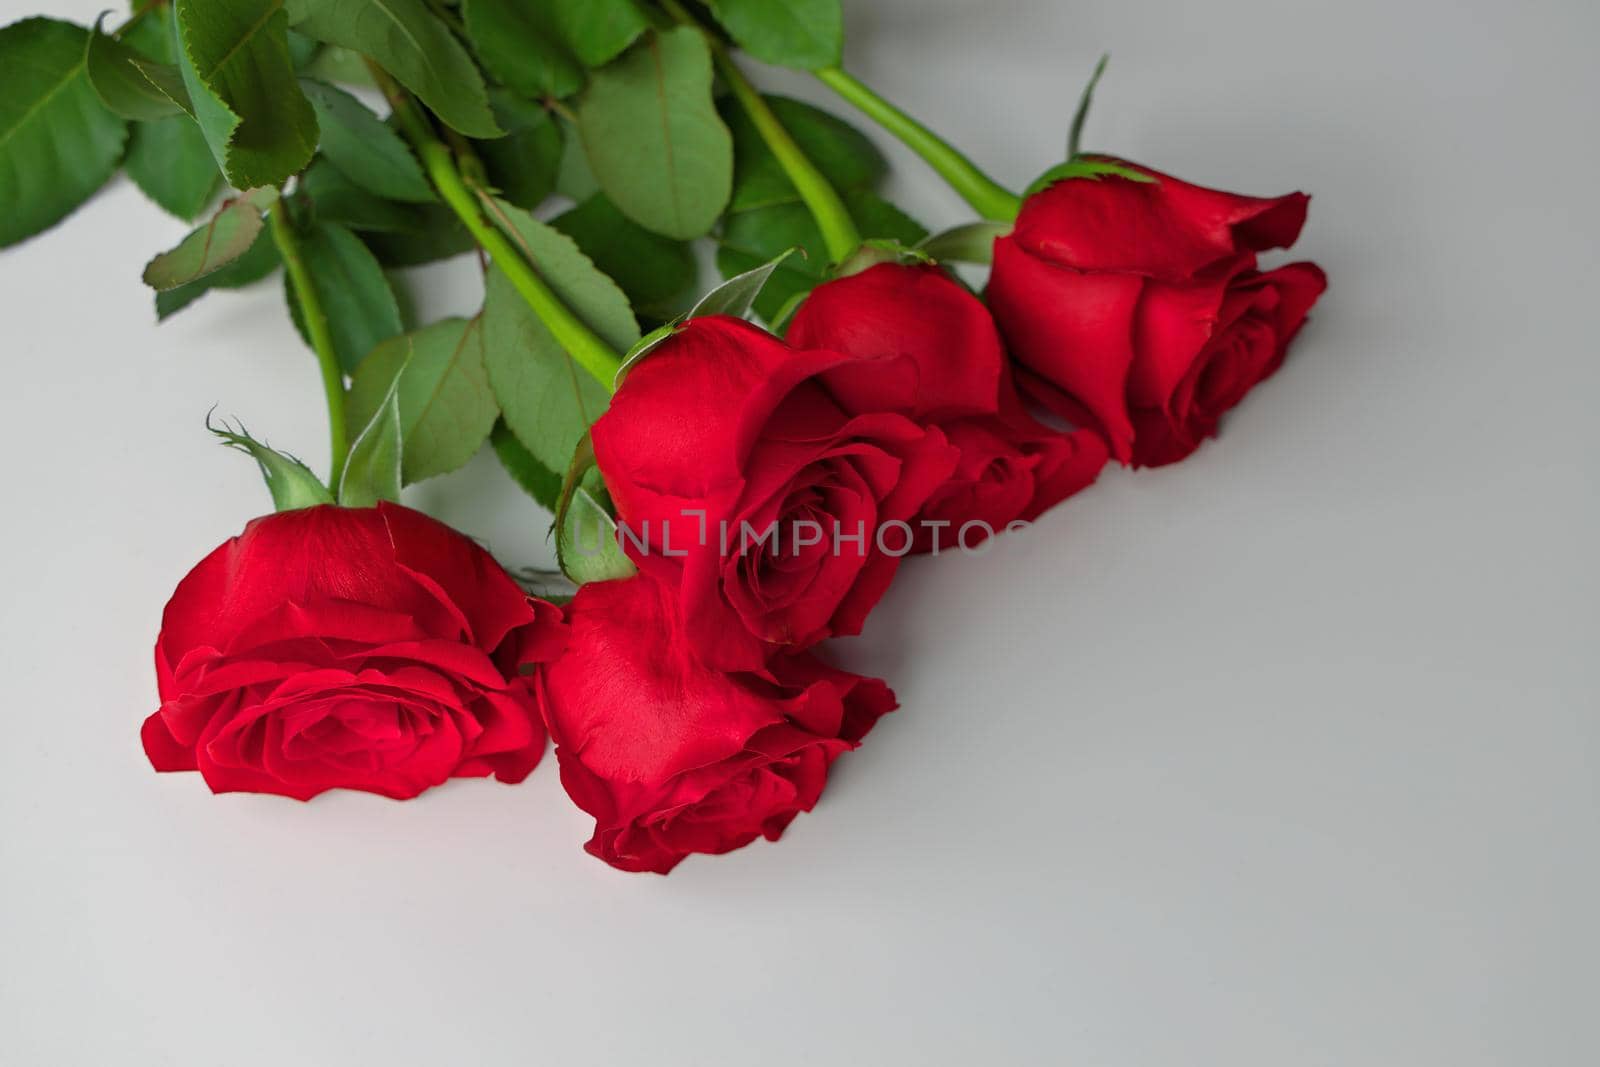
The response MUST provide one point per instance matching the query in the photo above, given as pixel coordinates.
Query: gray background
(1285, 755)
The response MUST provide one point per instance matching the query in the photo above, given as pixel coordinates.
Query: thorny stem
(318, 330)
(469, 202)
(987, 196)
(839, 230)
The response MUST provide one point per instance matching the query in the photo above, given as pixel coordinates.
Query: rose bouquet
(726, 496)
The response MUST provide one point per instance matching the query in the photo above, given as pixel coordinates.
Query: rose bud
(673, 757)
(1138, 308)
(336, 648)
(743, 483)
(1012, 467)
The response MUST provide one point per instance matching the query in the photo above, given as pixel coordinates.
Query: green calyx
(1093, 168)
(290, 481)
(879, 251)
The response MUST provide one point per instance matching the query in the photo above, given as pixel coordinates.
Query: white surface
(1283, 756)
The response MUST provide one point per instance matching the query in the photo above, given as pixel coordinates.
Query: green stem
(585, 346)
(839, 231)
(316, 323)
(988, 197)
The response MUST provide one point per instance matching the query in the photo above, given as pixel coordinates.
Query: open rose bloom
(672, 756)
(1011, 467)
(336, 648)
(1137, 307)
(723, 434)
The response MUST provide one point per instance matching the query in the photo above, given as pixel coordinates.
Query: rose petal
(1167, 228)
(916, 313)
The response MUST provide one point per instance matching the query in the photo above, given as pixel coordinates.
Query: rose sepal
(876, 251)
(1093, 168)
(969, 243)
(372, 470)
(736, 296)
(290, 481)
(586, 525)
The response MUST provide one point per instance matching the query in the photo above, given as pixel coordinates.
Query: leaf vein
(244, 39)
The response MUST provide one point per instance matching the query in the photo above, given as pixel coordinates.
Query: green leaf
(738, 294)
(522, 166)
(335, 198)
(303, 52)
(846, 157)
(574, 179)
(437, 235)
(446, 406)
(655, 272)
(522, 45)
(752, 238)
(155, 42)
(547, 399)
(229, 234)
(333, 64)
(234, 55)
(129, 84)
(400, 235)
(537, 480)
(58, 143)
(171, 163)
(153, 36)
(372, 470)
(361, 308)
(586, 530)
(878, 219)
(1082, 114)
(1091, 168)
(365, 148)
(411, 43)
(808, 34)
(542, 49)
(260, 260)
(599, 31)
(290, 481)
(653, 136)
(972, 243)
(168, 81)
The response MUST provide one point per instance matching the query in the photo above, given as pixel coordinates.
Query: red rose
(920, 315)
(742, 482)
(1139, 307)
(371, 649)
(1012, 468)
(672, 757)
